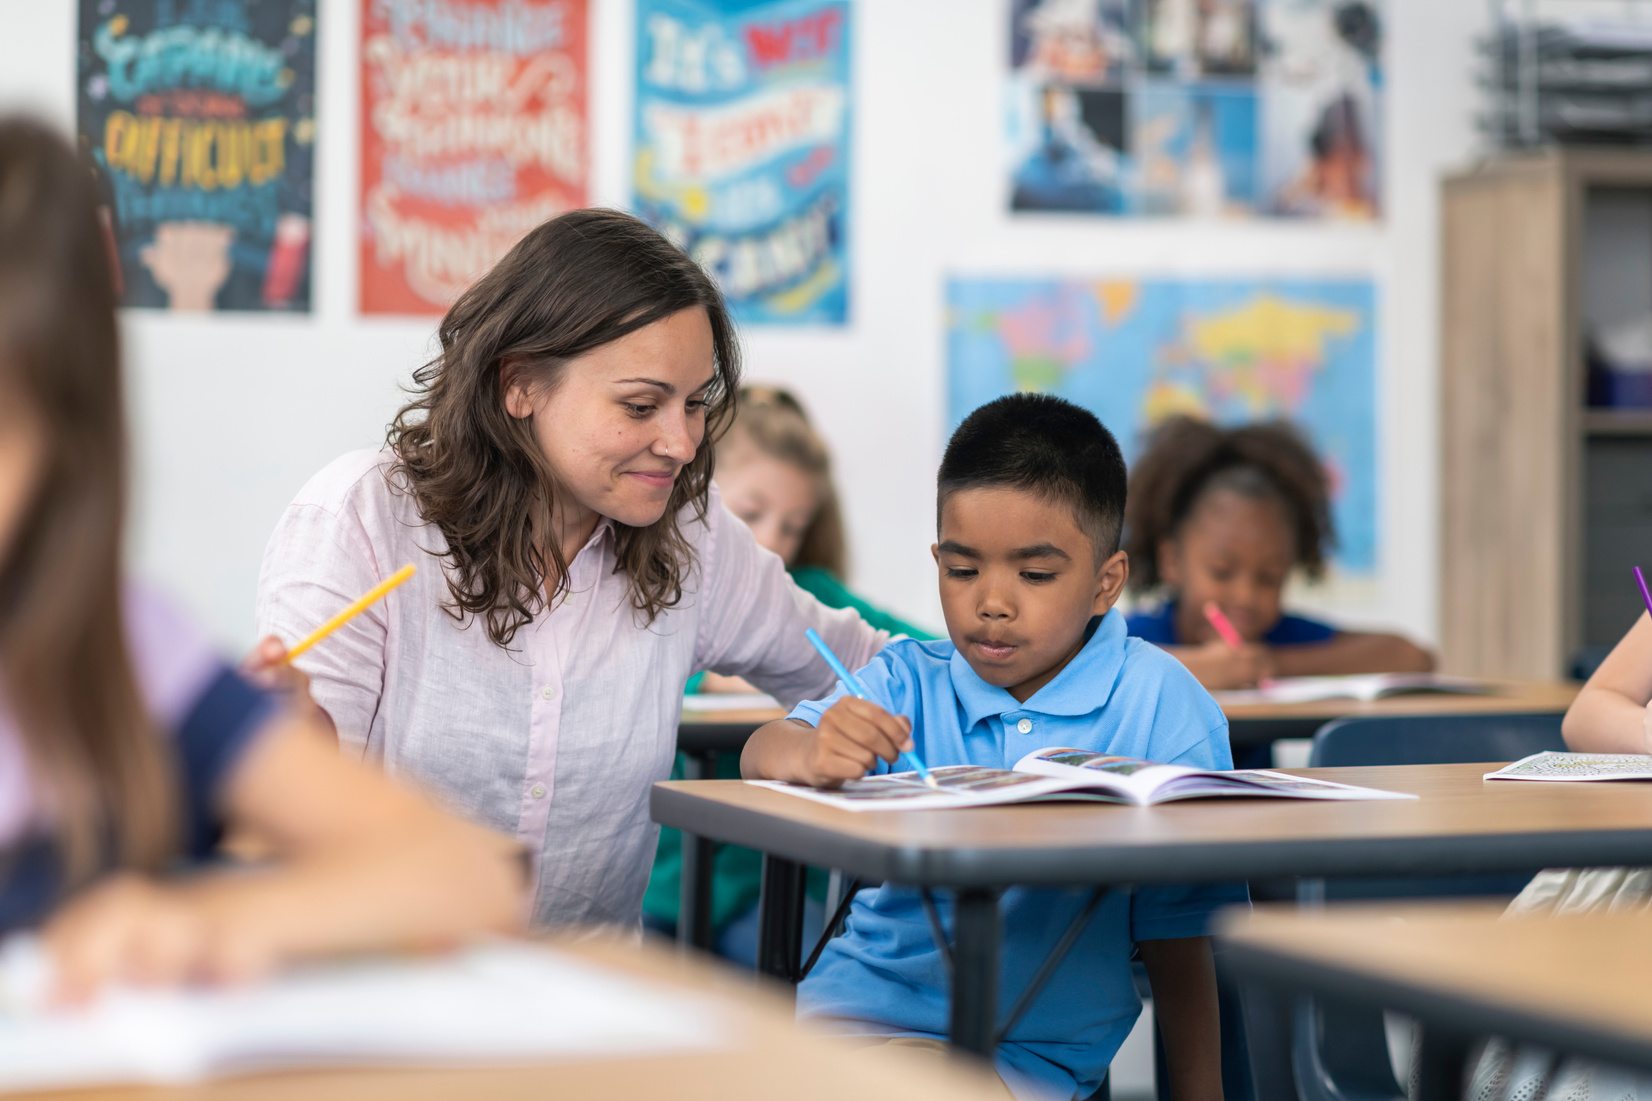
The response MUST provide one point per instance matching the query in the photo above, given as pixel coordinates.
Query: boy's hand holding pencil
(852, 736)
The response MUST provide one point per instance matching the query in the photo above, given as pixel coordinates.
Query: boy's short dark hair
(1049, 447)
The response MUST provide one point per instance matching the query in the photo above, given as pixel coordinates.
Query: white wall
(233, 412)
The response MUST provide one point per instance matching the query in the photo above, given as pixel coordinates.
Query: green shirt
(737, 873)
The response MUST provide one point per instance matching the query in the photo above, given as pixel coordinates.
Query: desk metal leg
(1442, 1058)
(780, 918)
(976, 938)
(698, 855)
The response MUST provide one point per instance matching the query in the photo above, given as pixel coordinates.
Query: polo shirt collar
(1084, 686)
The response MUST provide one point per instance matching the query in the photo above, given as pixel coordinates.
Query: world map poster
(1136, 352)
(742, 148)
(473, 124)
(200, 120)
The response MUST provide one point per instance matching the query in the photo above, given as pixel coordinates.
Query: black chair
(1340, 1052)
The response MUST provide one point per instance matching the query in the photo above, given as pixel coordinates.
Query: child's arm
(1182, 973)
(358, 863)
(1218, 666)
(852, 736)
(1352, 652)
(1610, 714)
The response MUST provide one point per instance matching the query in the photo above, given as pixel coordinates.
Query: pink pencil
(1222, 625)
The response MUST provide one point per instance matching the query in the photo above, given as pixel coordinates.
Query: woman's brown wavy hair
(573, 284)
(64, 671)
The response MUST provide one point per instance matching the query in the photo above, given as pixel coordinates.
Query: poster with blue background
(200, 118)
(742, 147)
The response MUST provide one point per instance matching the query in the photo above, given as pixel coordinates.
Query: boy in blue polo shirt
(1031, 501)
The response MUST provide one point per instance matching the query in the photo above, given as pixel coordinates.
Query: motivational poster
(199, 119)
(742, 148)
(473, 132)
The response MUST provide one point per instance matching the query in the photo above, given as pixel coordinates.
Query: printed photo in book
(1063, 774)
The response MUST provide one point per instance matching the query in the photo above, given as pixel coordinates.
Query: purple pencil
(1646, 594)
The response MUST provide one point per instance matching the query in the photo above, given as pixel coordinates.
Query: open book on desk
(1051, 775)
(504, 1002)
(1366, 687)
(1573, 767)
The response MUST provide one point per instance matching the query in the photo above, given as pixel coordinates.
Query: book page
(1577, 766)
(958, 786)
(1132, 777)
(730, 701)
(508, 1001)
(1364, 686)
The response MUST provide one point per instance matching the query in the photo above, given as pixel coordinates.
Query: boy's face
(1019, 583)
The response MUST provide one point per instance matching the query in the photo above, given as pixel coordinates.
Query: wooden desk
(702, 738)
(767, 1058)
(1258, 723)
(1461, 824)
(1577, 984)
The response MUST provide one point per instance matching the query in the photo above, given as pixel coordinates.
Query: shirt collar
(1085, 685)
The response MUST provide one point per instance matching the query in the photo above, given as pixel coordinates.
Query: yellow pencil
(353, 610)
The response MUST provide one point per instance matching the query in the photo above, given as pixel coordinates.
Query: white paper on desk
(496, 1003)
(1366, 687)
(729, 701)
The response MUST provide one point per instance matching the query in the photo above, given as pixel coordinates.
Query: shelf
(1617, 422)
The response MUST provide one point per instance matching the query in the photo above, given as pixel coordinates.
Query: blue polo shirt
(884, 976)
(1158, 626)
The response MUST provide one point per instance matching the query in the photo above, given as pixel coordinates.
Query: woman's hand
(267, 666)
(132, 930)
(853, 735)
(1220, 666)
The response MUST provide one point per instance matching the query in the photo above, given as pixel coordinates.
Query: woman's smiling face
(619, 423)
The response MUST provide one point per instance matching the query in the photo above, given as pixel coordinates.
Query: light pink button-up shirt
(558, 739)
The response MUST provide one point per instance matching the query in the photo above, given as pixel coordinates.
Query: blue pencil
(858, 690)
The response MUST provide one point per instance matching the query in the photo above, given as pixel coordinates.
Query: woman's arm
(1610, 714)
(753, 618)
(1352, 652)
(357, 863)
(1182, 973)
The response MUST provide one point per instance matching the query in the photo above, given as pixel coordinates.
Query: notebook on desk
(505, 1002)
(1366, 687)
(1061, 774)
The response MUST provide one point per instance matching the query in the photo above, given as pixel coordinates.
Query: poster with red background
(473, 131)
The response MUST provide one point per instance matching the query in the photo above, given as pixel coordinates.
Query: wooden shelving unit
(1545, 503)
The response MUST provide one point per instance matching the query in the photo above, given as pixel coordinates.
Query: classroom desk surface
(1460, 824)
(766, 1058)
(1575, 983)
(1253, 723)
(1250, 722)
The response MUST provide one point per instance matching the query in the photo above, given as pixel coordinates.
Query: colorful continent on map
(1137, 351)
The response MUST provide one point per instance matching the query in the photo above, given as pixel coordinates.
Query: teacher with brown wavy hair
(552, 480)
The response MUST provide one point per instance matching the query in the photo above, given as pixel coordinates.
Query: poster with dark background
(199, 116)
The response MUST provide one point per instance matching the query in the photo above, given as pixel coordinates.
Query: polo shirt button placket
(1024, 726)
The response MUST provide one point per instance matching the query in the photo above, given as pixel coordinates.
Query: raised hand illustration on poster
(473, 123)
(199, 119)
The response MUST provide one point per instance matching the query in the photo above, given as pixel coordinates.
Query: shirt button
(538, 791)
(1025, 726)
(548, 692)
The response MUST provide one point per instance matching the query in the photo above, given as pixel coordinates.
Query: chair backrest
(1433, 739)
(1339, 1052)
(1428, 740)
